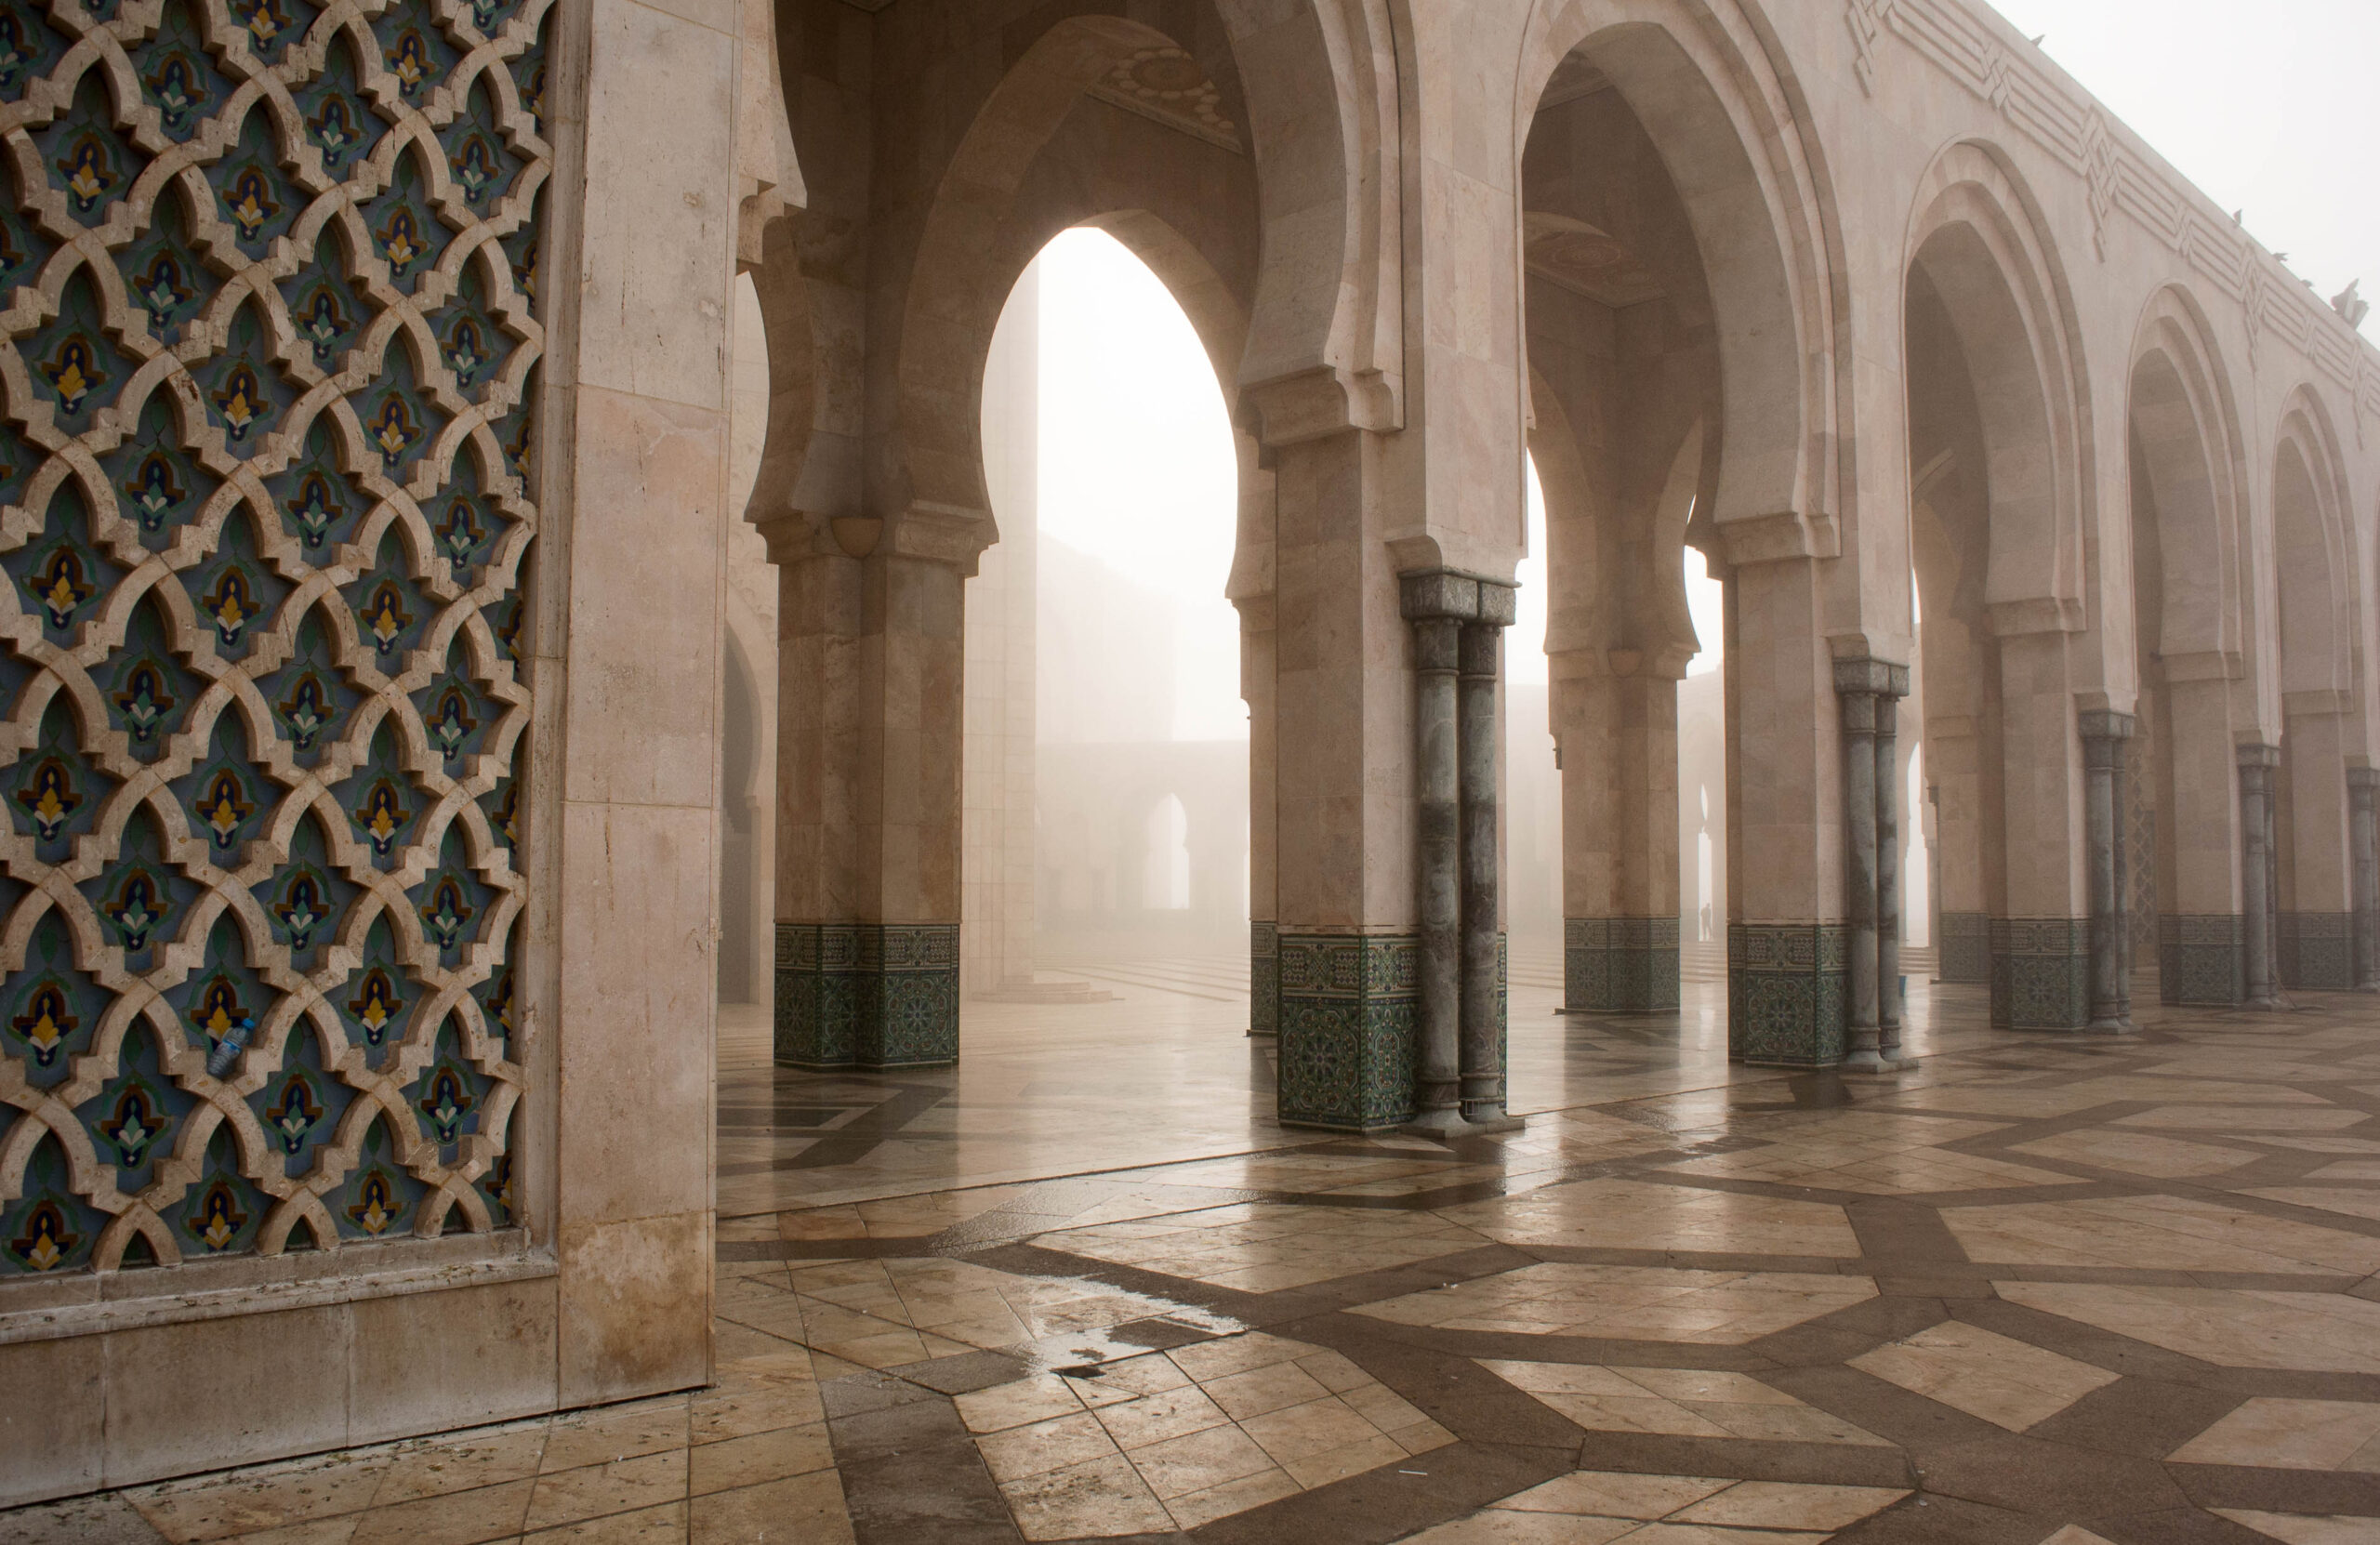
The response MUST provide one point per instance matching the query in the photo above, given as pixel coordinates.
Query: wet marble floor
(2040, 1289)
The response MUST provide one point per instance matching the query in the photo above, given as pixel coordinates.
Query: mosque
(566, 975)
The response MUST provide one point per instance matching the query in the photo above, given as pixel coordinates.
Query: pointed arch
(1976, 240)
(986, 221)
(1713, 95)
(2313, 559)
(2188, 454)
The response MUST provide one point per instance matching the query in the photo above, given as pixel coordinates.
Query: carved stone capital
(1422, 593)
(1868, 676)
(2106, 725)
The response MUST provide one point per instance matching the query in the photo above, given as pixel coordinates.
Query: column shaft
(1888, 901)
(2256, 765)
(1458, 622)
(2364, 840)
(1483, 1062)
(2103, 734)
(1438, 775)
(1856, 696)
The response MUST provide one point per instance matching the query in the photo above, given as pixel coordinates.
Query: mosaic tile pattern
(2203, 960)
(1620, 965)
(1965, 948)
(866, 995)
(2041, 973)
(270, 280)
(1786, 986)
(2318, 951)
(1263, 979)
(1349, 1009)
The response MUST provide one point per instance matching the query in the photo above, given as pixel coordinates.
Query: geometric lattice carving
(267, 359)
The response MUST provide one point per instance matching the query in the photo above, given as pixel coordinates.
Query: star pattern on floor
(2040, 1290)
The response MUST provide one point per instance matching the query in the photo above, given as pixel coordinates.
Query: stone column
(1256, 676)
(1347, 950)
(2364, 842)
(1483, 1019)
(2202, 933)
(1615, 715)
(1961, 910)
(1458, 622)
(1867, 692)
(2104, 735)
(2256, 873)
(1438, 843)
(871, 717)
(1787, 985)
(1856, 698)
(2040, 927)
(1888, 894)
(2316, 904)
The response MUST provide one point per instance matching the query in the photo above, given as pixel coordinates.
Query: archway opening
(1104, 697)
(2313, 937)
(2182, 847)
(1980, 475)
(1629, 377)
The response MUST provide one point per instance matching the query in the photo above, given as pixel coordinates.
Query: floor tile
(1684, 1403)
(2291, 1435)
(2296, 1528)
(1101, 1498)
(2315, 1332)
(2004, 1382)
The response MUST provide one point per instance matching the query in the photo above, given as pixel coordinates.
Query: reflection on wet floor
(2040, 1288)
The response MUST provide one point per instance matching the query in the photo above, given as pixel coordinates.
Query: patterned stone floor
(2041, 1290)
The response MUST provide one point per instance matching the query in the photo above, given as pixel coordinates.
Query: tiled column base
(1263, 979)
(1964, 949)
(866, 995)
(1348, 1012)
(1785, 993)
(2041, 973)
(2201, 960)
(2318, 951)
(1620, 965)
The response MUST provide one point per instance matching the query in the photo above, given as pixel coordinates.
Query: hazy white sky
(2267, 106)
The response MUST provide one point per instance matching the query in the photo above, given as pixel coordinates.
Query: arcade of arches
(514, 536)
